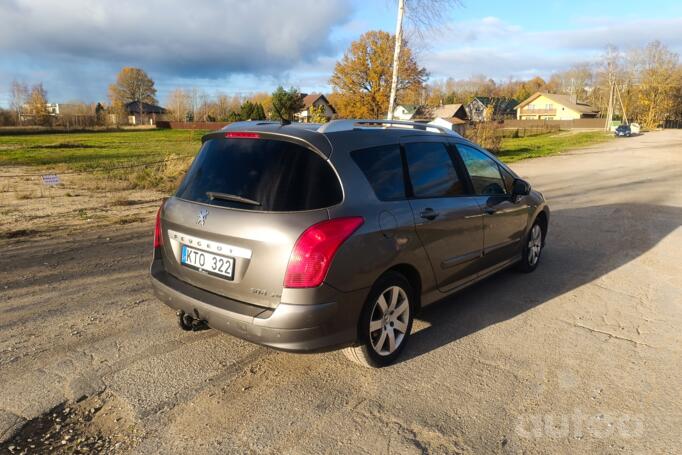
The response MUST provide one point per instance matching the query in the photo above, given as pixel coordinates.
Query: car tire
(532, 248)
(385, 322)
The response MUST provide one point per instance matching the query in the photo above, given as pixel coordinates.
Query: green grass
(109, 150)
(547, 144)
(87, 151)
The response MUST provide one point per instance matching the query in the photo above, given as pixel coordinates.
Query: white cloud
(499, 49)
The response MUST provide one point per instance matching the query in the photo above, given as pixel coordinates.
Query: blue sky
(75, 47)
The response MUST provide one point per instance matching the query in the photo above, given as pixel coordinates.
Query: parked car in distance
(316, 237)
(623, 131)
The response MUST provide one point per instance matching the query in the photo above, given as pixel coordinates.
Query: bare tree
(422, 14)
(179, 104)
(18, 99)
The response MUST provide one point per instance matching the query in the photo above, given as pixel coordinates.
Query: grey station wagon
(316, 237)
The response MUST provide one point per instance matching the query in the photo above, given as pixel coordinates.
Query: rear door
(505, 217)
(242, 205)
(447, 219)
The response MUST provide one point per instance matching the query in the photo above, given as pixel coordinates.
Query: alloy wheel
(534, 245)
(389, 320)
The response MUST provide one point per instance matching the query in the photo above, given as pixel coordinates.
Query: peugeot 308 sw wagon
(309, 238)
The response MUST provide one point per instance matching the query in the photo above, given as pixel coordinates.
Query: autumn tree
(285, 103)
(37, 104)
(362, 78)
(658, 84)
(132, 85)
(318, 114)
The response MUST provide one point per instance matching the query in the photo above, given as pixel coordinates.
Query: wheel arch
(413, 276)
(543, 220)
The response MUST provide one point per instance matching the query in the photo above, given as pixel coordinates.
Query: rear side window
(432, 171)
(262, 175)
(383, 168)
(483, 170)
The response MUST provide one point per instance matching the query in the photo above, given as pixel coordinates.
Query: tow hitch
(190, 323)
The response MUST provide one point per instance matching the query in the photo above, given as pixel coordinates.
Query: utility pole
(611, 61)
(396, 58)
(609, 111)
(622, 106)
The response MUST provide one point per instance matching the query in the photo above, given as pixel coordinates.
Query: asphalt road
(582, 356)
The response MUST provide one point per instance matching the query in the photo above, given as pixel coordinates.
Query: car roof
(342, 134)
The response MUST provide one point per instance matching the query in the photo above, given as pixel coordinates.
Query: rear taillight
(158, 235)
(315, 249)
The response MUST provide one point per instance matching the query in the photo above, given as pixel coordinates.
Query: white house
(316, 100)
(452, 123)
(412, 112)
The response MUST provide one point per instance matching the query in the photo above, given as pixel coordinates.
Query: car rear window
(383, 168)
(280, 176)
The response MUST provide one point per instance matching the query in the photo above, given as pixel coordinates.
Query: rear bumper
(288, 327)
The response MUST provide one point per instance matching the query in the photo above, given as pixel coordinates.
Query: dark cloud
(189, 39)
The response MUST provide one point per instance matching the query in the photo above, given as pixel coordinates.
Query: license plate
(213, 264)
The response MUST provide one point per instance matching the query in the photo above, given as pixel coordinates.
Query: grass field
(514, 149)
(110, 150)
(117, 157)
(85, 151)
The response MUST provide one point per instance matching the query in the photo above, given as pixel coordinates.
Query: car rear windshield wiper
(231, 197)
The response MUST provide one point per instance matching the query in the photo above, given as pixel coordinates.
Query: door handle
(429, 214)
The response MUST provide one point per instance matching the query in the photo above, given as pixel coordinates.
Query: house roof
(564, 100)
(309, 100)
(134, 108)
(501, 104)
(447, 110)
(452, 120)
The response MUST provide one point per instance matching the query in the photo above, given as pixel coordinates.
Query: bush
(486, 135)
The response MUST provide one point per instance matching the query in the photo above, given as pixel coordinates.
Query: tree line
(643, 84)
(647, 85)
(647, 82)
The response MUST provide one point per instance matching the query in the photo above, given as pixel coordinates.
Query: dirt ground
(582, 356)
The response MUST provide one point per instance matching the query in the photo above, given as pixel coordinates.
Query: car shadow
(583, 244)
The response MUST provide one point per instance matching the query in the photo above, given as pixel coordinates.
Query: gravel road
(583, 356)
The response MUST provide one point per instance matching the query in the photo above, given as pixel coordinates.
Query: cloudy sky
(75, 47)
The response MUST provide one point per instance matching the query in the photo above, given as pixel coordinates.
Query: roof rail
(348, 125)
(252, 123)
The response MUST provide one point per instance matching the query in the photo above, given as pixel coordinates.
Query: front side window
(508, 180)
(383, 168)
(483, 170)
(432, 171)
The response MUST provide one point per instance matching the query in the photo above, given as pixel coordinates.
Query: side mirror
(520, 188)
